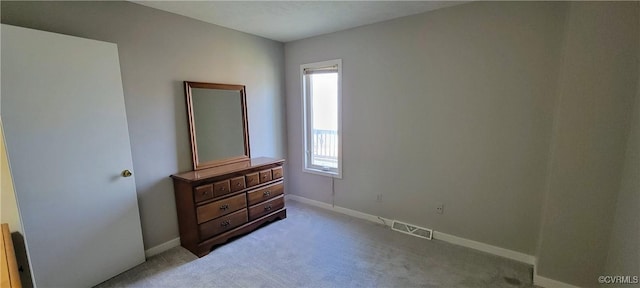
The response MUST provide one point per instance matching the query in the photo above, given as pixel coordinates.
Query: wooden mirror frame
(192, 129)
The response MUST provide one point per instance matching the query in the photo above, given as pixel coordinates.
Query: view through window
(321, 83)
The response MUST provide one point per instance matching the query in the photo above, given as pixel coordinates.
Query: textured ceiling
(286, 21)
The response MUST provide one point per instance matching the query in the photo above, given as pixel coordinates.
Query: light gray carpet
(318, 248)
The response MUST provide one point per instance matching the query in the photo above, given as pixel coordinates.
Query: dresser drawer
(224, 223)
(265, 176)
(266, 207)
(221, 188)
(277, 173)
(262, 194)
(220, 208)
(203, 192)
(237, 184)
(252, 179)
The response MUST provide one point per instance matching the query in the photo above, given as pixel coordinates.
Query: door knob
(126, 173)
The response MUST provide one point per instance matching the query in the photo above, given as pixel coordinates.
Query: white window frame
(306, 116)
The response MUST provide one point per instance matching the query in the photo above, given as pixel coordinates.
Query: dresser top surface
(203, 174)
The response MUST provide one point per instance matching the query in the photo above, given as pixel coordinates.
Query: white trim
(547, 282)
(495, 250)
(506, 253)
(306, 115)
(484, 247)
(329, 173)
(339, 209)
(308, 201)
(162, 247)
(550, 283)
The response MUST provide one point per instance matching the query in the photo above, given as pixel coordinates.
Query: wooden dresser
(219, 203)
(9, 275)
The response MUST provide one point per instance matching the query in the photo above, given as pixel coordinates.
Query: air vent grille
(412, 229)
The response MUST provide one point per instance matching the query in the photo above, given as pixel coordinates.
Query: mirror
(217, 124)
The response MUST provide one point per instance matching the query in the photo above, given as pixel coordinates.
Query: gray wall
(158, 51)
(451, 106)
(596, 91)
(624, 248)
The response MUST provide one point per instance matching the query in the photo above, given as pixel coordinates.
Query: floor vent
(412, 230)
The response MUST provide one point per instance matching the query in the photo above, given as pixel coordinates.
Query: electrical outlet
(440, 208)
(379, 198)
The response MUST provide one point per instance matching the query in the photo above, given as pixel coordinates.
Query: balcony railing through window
(325, 148)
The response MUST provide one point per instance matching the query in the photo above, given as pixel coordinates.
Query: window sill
(323, 173)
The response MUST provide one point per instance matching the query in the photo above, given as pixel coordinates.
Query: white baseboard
(550, 283)
(339, 209)
(498, 251)
(308, 201)
(506, 253)
(495, 250)
(162, 247)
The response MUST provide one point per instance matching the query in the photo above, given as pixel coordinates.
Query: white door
(67, 142)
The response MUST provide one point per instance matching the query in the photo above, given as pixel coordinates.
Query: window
(321, 89)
